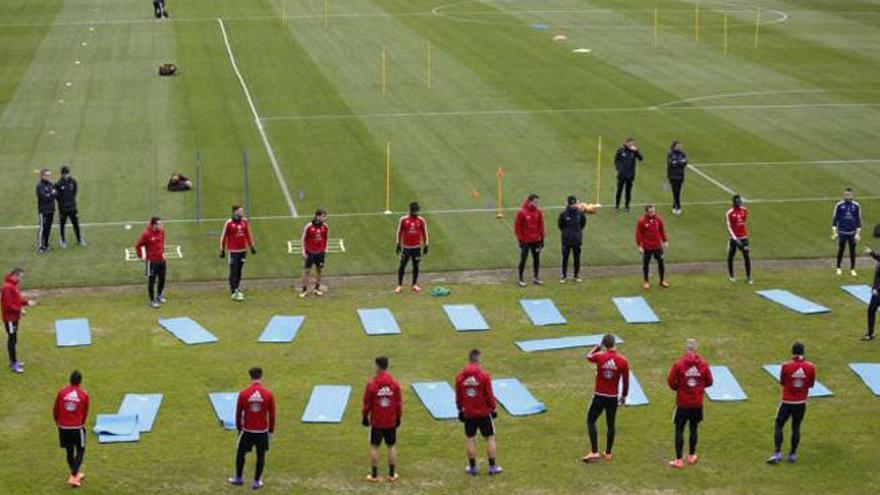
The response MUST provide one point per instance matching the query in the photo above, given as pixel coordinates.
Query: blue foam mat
(793, 302)
(542, 312)
(724, 388)
(637, 395)
(562, 343)
(281, 329)
(144, 406)
(327, 404)
(515, 397)
(114, 428)
(465, 317)
(223, 404)
(818, 389)
(635, 309)
(861, 292)
(438, 398)
(73, 332)
(379, 321)
(187, 331)
(869, 373)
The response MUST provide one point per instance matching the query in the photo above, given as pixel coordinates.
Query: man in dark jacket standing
(46, 195)
(66, 188)
(625, 164)
(676, 162)
(571, 223)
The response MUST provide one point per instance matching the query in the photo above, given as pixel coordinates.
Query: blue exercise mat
(465, 317)
(542, 312)
(561, 343)
(144, 406)
(635, 309)
(861, 292)
(818, 389)
(636, 395)
(115, 428)
(438, 398)
(515, 397)
(327, 404)
(869, 373)
(281, 329)
(378, 321)
(224, 407)
(70, 333)
(793, 302)
(187, 331)
(724, 388)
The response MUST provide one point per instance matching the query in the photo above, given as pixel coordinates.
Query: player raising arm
(612, 370)
(412, 243)
(314, 251)
(236, 239)
(738, 231)
(796, 378)
(383, 408)
(846, 228)
(476, 405)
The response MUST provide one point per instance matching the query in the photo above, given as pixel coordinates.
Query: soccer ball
(588, 208)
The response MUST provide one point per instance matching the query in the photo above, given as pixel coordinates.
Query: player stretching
(611, 369)
(70, 412)
(689, 377)
(796, 378)
(875, 296)
(529, 229)
(255, 422)
(12, 304)
(236, 239)
(383, 408)
(412, 242)
(150, 247)
(739, 238)
(846, 228)
(314, 251)
(651, 239)
(476, 409)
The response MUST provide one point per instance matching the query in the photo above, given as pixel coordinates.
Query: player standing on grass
(529, 229)
(159, 9)
(612, 369)
(625, 163)
(796, 378)
(70, 412)
(846, 228)
(690, 376)
(67, 188)
(412, 243)
(383, 408)
(236, 239)
(572, 221)
(150, 247)
(314, 251)
(874, 303)
(255, 422)
(12, 305)
(476, 409)
(46, 194)
(676, 163)
(736, 219)
(651, 239)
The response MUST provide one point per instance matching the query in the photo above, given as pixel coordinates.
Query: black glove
(365, 421)
(426, 249)
(461, 416)
(222, 253)
(541, 244)
(397, 425)
(253, 250)
(397, 249)
(494, 414)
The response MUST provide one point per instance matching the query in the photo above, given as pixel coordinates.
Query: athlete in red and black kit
(736, 219)
(12, 304)
(314, 251)
(383, 408)
(690, 376)
(796, 378)
(255, 422)
(70, 412)
(476, 405)
(236, 239)
(612, 370)
(529, 230)
(150, 247)
(651, 239)
(412, 243)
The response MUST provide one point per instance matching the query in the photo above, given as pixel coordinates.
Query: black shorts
(414, 254)
(247, 440)
(657, 254)
(485, 425)
(155, 269)
(786, 411)
(379, 435)
(11, 327)
(237, 258)
(742, 245)
(314, 259)
(71, 437)
(683, 415)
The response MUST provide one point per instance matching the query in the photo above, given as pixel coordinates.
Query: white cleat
(839, 271)
(853, 273)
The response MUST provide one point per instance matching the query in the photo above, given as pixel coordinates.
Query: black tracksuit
(67, 189)
(875, 299)
(676, 162)
(625, 164)
(46, 194)
(571, 224)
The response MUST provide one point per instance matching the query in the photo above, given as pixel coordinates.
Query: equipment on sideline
(438, 398)
(378, 321)
(793, 302)
(515, 397)
(281, 329)
(818, 389)
(724, 388)
(635, 310)
(187, 331)
(542, 312)
(73, 332)
(465, 317)
(327, 404)
(562, 343)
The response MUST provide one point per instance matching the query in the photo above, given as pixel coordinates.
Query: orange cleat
(607, 456)
(398, 289)
(646, 285)
(664, 284)
(692, 459)
(373, 479)
(591, 457)
(416, 288)
(676, 464)
(74, 482)
(80, 476)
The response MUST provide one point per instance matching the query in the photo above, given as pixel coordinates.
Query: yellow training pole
(696, 22)
(388, 178)
(725, 33)
(656, 24)
(384, 75)
(499, 175)
(428, 65)
(598, 170)
(757, 24)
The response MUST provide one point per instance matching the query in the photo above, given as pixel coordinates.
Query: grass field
(787, 124)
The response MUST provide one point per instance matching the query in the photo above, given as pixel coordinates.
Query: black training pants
(601, 404)
(74, 220)
(236, 264)
(842, 242)
(623, 185)
(407, 254)
(732, 247)
(44, 230)
(11, 339)
(657, 254)
(676, 192)
(155, 279)
(872, 312)
(524, 249)
(573, 250)
(796, 413)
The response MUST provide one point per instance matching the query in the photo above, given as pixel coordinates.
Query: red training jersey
(255, 409)
(473, 392)
(412, 232)
(736, 223)
(797, 377)
(690, 376)
(11, 299)
(383, 402)
(314, 238)
(611, 368)
(236, 236)
(71, 407)
(153, 243)
(650, 232)
(529, 224)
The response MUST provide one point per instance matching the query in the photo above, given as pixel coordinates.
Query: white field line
(259, 123)
(714, 181)
(795, 162)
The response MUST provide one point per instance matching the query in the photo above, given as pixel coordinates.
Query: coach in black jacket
(67, 189)
(676, 162)
(625, 162)
(571, 223)
(46, 195)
